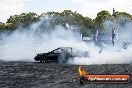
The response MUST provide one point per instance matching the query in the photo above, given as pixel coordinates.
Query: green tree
(123, 17)
(101, 17)
(7, 26)
(123, 14)
(2, 25)
(74, 19)
(10, 26)
(24, 19)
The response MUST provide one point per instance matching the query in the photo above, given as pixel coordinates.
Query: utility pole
(113, 29)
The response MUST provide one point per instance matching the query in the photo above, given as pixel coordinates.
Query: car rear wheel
(41, 61)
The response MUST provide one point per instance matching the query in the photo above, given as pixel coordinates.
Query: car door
(53, 55)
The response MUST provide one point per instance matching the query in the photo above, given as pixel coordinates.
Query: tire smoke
(24, 43)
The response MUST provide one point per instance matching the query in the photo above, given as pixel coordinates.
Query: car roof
(62, 48)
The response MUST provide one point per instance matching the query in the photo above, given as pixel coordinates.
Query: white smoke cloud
(105, 57)
(110, 54)
(24, 44)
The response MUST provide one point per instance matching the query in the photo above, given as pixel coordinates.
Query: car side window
(57, 51)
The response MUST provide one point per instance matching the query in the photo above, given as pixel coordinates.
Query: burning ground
(52, 75)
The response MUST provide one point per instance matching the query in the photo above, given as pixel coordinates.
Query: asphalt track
(53, 75)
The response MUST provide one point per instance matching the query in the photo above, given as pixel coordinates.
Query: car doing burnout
(60, 55)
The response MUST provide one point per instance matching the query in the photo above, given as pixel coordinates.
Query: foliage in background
(24, 19)
(85, 24)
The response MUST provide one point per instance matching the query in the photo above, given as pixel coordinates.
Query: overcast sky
(85, 7)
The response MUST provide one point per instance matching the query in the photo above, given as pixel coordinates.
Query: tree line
(86, 24)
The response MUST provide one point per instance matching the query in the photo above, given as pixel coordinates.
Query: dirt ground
(53, 75)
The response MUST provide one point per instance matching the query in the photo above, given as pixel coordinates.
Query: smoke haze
(41, 37)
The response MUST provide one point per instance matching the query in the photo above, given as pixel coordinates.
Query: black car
(60, 55)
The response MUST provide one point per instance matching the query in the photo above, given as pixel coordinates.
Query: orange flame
(81, 71)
